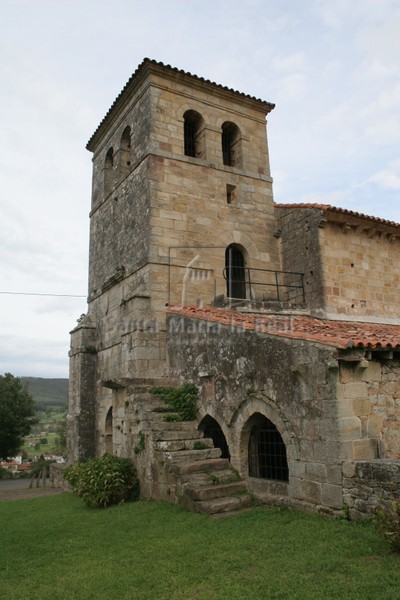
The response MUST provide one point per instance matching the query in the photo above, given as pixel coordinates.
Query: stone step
(210, 477)
(193, 455)
(211, 464)
(158, 426)
(158, 415)
(166, 436)
(183, 444)
(216, 491)
(222, 505)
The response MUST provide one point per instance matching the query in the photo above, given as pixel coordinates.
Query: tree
(17, 414)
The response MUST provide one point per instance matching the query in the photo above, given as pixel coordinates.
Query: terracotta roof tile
(335, 209)
(338, 334)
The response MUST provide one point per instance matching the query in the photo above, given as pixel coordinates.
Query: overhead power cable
(33, 294)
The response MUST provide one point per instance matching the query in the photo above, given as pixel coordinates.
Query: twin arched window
(194, 141)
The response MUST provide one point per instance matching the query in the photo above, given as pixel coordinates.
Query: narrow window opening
(230, 194)
(193, 134)
(212, 429)
(230, 144)
(108, 172)
(125, 151)
(267, 451)
(235, 273)
(108, 431)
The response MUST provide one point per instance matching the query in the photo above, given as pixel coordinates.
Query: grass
(56, 548)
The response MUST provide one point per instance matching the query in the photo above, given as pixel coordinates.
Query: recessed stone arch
(212, 429)
(210, 410)
(241, 423)
(231, 140)
(242, 240)
(193, 134)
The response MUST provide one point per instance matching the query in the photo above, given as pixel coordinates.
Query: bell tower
(181, 192)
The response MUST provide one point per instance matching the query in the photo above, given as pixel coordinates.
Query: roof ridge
(330, 207)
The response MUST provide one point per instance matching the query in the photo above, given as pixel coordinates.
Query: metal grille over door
(267, 451)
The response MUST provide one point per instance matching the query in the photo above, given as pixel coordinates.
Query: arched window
(125, 151)
(231, 144)
(213, 430)
(235, 272)
(108, 431)
(193, 134)
(267, 450)
(108, 172)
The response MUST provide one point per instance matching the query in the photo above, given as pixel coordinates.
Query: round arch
(212, 429)
(242, 424)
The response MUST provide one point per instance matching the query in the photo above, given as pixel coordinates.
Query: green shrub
(104, 481)
(4, 474)
(182, 400)
(386, 521)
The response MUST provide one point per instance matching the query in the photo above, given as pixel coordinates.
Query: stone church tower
(182, 195)
(283, 317)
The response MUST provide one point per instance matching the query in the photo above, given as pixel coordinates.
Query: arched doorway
(212, 429)
(267, 450)
(235, 272)
(108, 432)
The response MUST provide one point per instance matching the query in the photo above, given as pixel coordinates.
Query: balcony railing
(264, 284)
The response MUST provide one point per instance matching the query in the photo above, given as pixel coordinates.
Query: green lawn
(56, 548)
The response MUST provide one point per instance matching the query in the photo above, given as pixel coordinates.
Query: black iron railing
(245, 283)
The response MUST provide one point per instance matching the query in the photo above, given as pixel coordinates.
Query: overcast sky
(331, 66)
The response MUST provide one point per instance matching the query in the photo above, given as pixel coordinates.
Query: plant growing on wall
(104, 481)
(386, 521)
(182, 400)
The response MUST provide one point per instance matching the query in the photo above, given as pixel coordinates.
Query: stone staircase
(188, 470)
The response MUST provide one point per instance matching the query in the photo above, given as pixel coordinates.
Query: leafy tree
(17, 414)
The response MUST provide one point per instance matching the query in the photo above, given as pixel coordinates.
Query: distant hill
(48, 392)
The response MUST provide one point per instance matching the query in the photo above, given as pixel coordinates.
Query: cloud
(37, 356)
(389, 178)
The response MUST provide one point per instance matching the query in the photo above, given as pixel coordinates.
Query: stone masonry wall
(82, 393)
(300, 251)
(369, 409)
(366, 484)
(361, 277)
(289, 382)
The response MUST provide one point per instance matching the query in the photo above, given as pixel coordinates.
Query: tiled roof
(147, 61)
(335, 209)
(338, 334)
